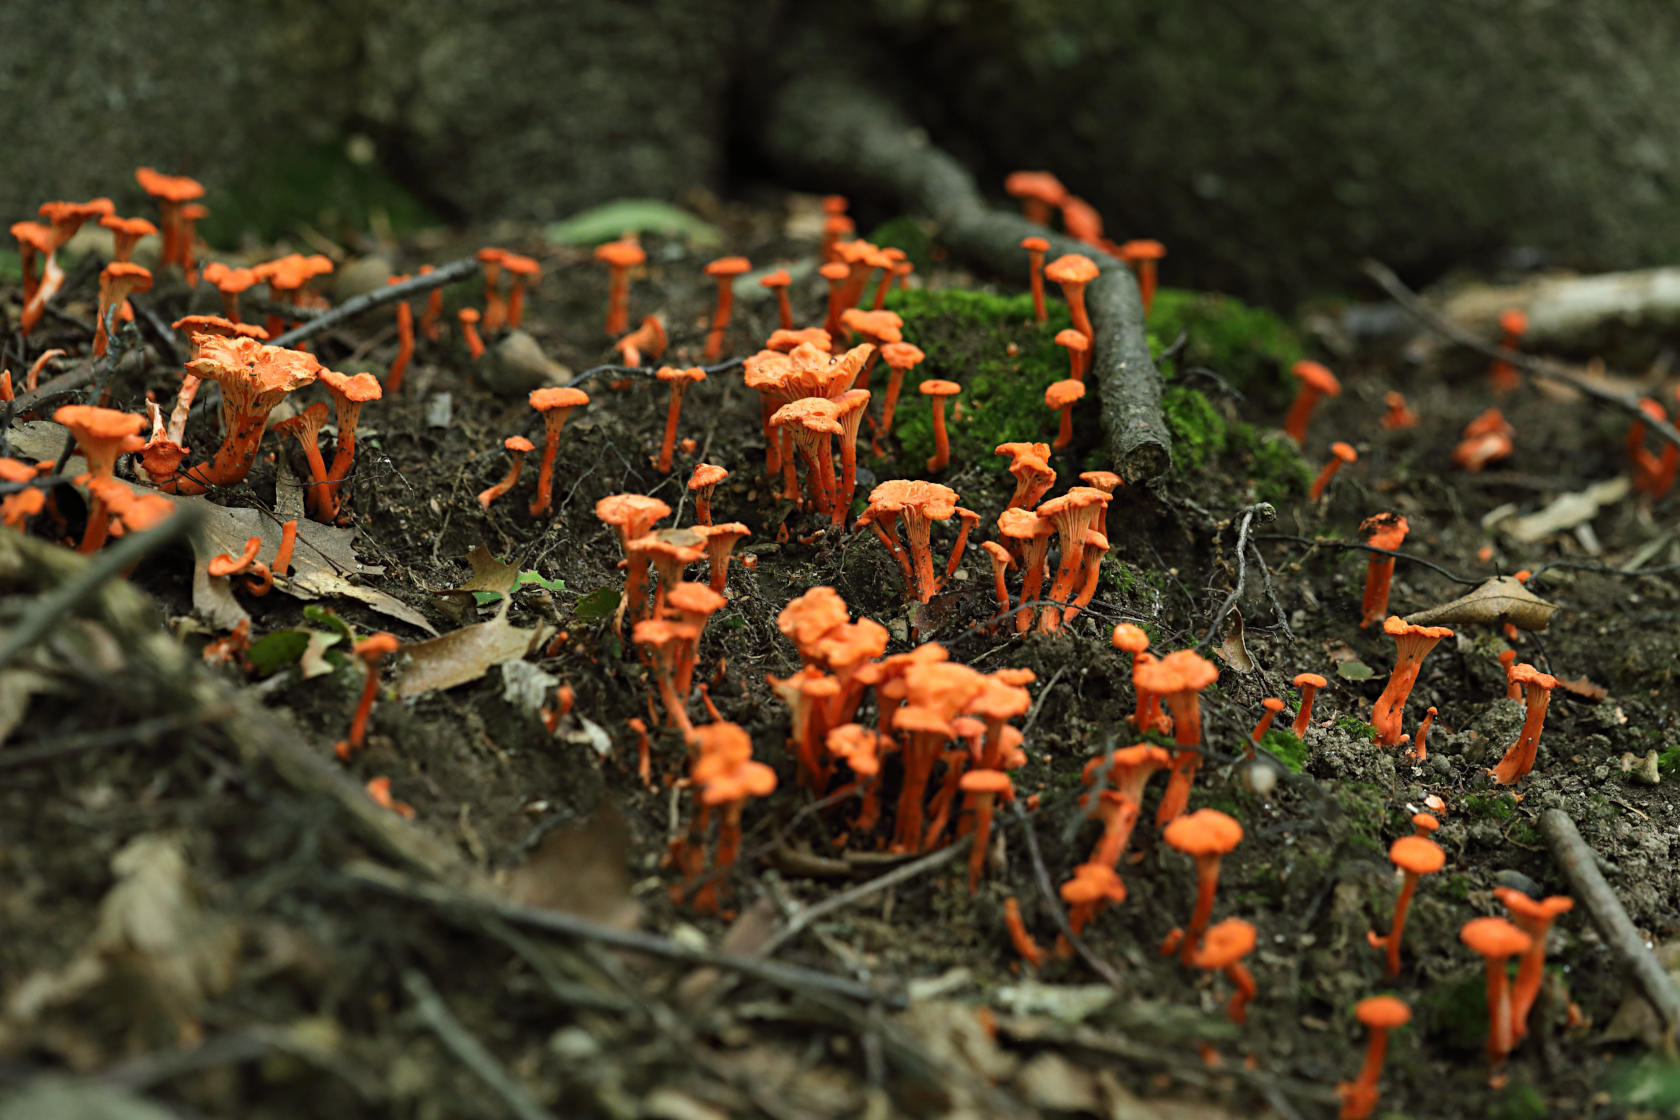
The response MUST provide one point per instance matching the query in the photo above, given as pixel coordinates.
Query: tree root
(844, 136)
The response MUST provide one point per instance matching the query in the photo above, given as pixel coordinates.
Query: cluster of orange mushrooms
(949, 725)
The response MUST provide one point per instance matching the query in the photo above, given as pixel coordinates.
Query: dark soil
(297, 967)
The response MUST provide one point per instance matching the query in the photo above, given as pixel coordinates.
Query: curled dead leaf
(466, 654)
(1499, 600)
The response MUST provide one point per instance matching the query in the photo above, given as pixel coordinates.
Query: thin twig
(1271, 592)
(1266, 512)
(1580, 866)
(133, 548)
(1354, 546)
(647, 371)
(1053, 903)
(471, 1052)
(802, 919)
(792, 977)
(349, 309)
(1539, 367)
(65, 746)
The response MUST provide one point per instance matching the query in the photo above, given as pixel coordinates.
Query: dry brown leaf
(1499, 600)
(154, 911)
(1231, 648)
(488, 574)
(466, 654)
(583, 870)
(1584, 689)
(1566, 511)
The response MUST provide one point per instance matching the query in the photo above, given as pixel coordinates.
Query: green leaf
(331, 621)
(524, 579)
(597, 604)
(273, 652)
(1354, 671)
(632, 215)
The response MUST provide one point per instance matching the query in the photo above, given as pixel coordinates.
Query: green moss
(1669, 759)
(1356, 726)
(1489, 807)
(1367, 807)
(909, 234)
(966, 336)
(1454, 1014)
(324, 186)
(1518, 1101)
(1198, 431)
(11, 267)
(1250, 348)
(1275, 465)
(1456, 887)
(1290, 751)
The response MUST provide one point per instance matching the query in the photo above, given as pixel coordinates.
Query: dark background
(1271, 146)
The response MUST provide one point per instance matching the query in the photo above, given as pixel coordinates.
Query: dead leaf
(1584, 689)
(488, 574)
(1051, 1083)
(1231, 649)
(527, 687)
(1566, 511)
(1499, 600)
(583, 870)
(154, 911)
(17, 686)
(466, 654)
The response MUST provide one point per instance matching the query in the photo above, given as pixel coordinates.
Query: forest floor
(181, 922)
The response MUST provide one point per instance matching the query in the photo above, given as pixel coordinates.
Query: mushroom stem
(370, 649)
(1207, 884)
(941, 441)
(405, 344)
(485, 497)
(673, 412)
(469, 333)
(1064, 430)
(720, 318)
(1018, 935)
(1397, 930)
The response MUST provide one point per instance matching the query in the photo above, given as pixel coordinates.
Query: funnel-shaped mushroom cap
(1074, 268)
(1494, 938)
(1130, 638)
(1039, 185)
(1142, 249)
(1302, 680)
(254, 378)
(1093, 882)
(1182, 670)
(623, 253)
(1384, 530)
(1060, 394)
(1317, 377)
(1224, 944)
(806, 619)
(1205, 832)
(1417, 855)
(986, 781)
(1383, 1012)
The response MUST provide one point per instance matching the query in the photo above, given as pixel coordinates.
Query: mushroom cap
(375, 646)
(1139, 755)
(1528, 676)
(834, 203)
(1094, 882)
(1073, 340)
(660, 632)
(1534, 911)
(1513, 321)
(1417, 855)
(1023, 524)
(102, 433)
(169, 188)
(1106, 481)
(814, 414)
(491, 255)
(1382, 1012)
(1344, 452)
(986, 781)
(557, 396)
(1206, 832)
(1494, 938)
(879, 327)
(215, 324)
(252, 376)
(1142, 249)
(1040, 185)
(998, 700)
(1302, 680)
(1076, 499)
(1272, 704)
(776, 279)
(358, 388)
(1224, 944)
(929, 498)
(919, 718)
(520, 265)
(786, 341)
(194, 212)
(938, 387)
(999, 554)
(728, 266)
(806, 619)
(37, 235)
(1130, 638)
(695, 598)
(128, 227)
(1428, 822)
(902, 355)
(1183, 670)
(834, 271)
(675, 376)
(706, 474)
(126, 276)
(219, 567)
(1384, 530)
(519, 444)
(631, 511)
(851, 643)
(723, 740)
(731, 531)
(1035, 244)
(1396, 627)
(304, 425)
(1074, 268)
(1061, 394)
(468, 315)
(1317, 376)
(623, 253)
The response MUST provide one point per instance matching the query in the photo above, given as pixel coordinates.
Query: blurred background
(1271, 146)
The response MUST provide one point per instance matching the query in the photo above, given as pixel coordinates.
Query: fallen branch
(846, 136)
(1267, 513)
(469, 1050)
(1580, 866)
(1539, 367)
(349, 309)
(1052, 903)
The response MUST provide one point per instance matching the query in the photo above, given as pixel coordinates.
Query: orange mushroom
(405, 341)
(125, 234)
(720, 543)
(1036, 247)
(1340, 454)
(1081, 220)
(1207, 836)
(556, 404)
(1309, 684)
(1029, 463)
(1031, 534)
(371, 650)
(786, 341)
(1178, 679)
(116, 281)
(1127, 772)
(1380, 1014)
(723, 270)
(231, 283)
(170, 192)
(679, 380)
(1060, 397)
(522, 272)
(490, 261)
(430, 318)
(1142, 255)
(1503, 375)
(1133, 640)
(936, 390)
(646, 341)
(1386, 531)
(518, 447)
(619, 257)
(305, 427)
(1273, 706)
(1001, 562)
(814, 421)
(34, 239)
(186, 221)
(1398, 415)
(1094, 884)
(1096, 547)
(983, 788)
(1534, 916)
(469, 317)
(705, 480)
(1039, 191)
(1425, 824)
(1537, 694)
(1077, 345)
(1316, 382)
(1073, 272)
(1073, 514)
(1486, 439)
(1497, 941)
(1415, 857)
(102, 434)
(1413, 644)
(1420, 747)
(349, 393)
(836, 273)
(853, 404)
(778, 282)
(918, 504)
(65, 218)
(1223, 948)
(1018, 935)
(901, 358)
